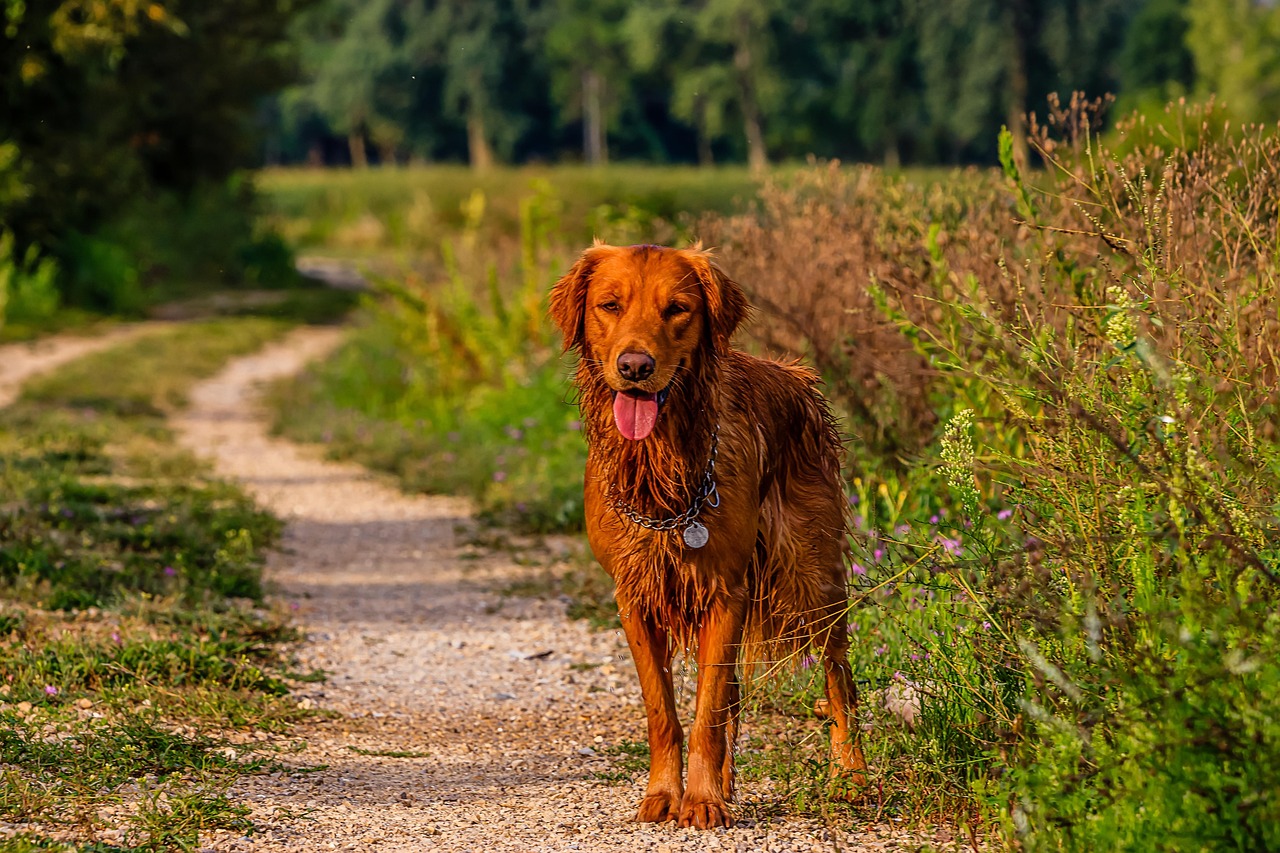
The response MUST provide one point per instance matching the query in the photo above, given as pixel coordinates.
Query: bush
(1095, 636)
(166, 244)
(28, 289)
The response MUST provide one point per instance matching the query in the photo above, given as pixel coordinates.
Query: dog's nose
(635, 366)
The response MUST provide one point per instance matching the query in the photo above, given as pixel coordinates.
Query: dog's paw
(704, 813)
(658, 808)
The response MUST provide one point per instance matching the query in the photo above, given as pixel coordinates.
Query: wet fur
(771, 580)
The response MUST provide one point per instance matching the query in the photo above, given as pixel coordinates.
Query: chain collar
(707, 495)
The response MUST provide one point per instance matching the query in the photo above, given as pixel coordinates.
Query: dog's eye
(675, 309)
(611, 306)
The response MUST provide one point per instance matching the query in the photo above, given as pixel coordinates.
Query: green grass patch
(137, 659)
(410, 211)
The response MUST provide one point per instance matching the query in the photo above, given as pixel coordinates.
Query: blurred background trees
(891, 81)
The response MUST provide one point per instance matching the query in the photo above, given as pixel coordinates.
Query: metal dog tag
(695, 535)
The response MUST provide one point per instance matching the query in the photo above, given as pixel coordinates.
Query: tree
(584, 45)
(725, 52)
(986, 62)
(852, 79)
(107, 99)
(1236, 45)
(480, 47)
(1155, 57)
(346, 51)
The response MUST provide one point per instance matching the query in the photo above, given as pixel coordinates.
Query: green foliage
(28, 290)
(1155, 59)
(125, 123)
(457, 385)
(664, 80)
(1236, 46)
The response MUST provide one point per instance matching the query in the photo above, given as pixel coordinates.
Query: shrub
(1098, 340)
(28, 290)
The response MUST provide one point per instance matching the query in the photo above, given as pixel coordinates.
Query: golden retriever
(713, 499)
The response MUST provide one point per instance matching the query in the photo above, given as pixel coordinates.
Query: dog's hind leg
(848, 763)
(651, 651)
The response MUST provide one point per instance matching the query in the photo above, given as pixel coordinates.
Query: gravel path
(19, 362)
(502, 710)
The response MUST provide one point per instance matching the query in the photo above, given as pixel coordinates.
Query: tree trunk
(595, 146)
(757, 158)
(705, 156)
(477, 145)
(1020, 41)
(892, 156)
(355, 143)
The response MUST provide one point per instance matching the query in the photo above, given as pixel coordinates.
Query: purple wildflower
(499, 476)
(878, 554)
(858, 569)
(1004, 514)
(170, 571)
(51, 690)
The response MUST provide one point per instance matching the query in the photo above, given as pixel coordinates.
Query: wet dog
(713, 499)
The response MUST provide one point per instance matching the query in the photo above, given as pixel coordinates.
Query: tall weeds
(1100, 341)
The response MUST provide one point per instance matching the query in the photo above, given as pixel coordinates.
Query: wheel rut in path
(458, 718)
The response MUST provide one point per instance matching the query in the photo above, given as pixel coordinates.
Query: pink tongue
(635, 416)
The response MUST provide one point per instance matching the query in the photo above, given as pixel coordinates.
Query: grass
(139, 666)
(409, 211)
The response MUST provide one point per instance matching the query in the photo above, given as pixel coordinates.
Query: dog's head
(642, 314)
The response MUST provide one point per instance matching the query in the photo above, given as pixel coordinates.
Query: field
(1060, 391)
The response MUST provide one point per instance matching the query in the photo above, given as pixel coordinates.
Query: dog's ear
(568, 304)
(725, 302)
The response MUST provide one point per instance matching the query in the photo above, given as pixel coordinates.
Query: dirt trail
(21, 361)
(500, 708)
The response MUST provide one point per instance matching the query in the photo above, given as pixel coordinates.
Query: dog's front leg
(651, 651)
(705, 801)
